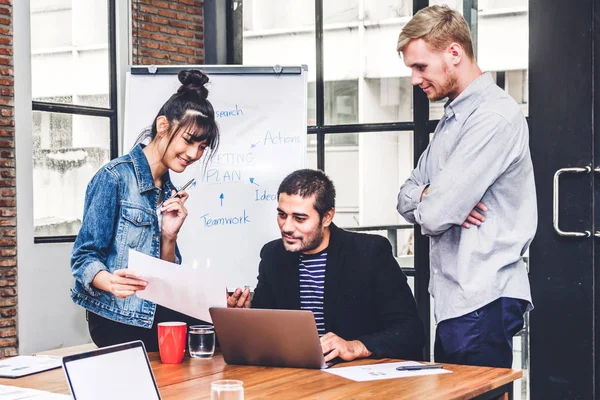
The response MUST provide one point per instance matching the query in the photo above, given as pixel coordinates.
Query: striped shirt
(312, 286)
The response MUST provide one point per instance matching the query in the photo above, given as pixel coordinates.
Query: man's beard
(447, 87)
(307, 243)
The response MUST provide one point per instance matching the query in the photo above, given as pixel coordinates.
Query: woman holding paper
(132, 203)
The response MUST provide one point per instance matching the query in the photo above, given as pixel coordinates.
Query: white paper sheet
(16, 393)
(189, 289)
(18, 366)
(376, 372)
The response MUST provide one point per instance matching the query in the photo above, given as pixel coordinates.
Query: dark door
(563, 114)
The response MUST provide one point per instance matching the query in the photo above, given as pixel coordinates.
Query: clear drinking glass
(201, 341)
(227, 389)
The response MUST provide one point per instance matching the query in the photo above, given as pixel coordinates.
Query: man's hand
(334, 346)
(475, 217)
(239, 298)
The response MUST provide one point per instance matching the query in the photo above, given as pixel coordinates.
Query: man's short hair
(308, 182)
(438, 26)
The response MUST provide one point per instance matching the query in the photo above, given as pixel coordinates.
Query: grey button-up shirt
(479, 152)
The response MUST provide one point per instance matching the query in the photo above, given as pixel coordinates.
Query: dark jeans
(483, 337)
(105, 332)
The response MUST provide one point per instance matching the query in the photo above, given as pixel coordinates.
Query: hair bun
(193, 80)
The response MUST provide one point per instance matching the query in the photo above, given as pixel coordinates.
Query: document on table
(16, 393)
(376, 372)
(189, 289)
(16, 367)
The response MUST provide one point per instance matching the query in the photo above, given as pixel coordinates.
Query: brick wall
(8, 210)
(168, 32)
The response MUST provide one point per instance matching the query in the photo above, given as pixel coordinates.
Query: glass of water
(201, 341)
(227, 389)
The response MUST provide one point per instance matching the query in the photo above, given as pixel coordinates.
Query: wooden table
(191, 380)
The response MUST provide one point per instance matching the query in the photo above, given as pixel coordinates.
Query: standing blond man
(472, 193)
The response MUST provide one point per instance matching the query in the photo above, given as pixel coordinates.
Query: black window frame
(110, 112)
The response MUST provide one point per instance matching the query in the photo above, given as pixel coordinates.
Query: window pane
(367, 170)
(388, 100)
(69, 51)
(377, 10)
(36, 5)
(510, 19)
(339, 11)
(262, 15)
(281, 32)
(365, 79)
(88, 30)
(67, 151)
(341, 102)
(51, 23)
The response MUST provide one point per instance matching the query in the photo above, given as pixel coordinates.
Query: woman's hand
(122, 283)
(173, 214)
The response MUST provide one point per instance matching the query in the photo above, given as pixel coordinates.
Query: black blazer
(367, 296)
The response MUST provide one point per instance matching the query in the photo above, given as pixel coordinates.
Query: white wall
(47, 318)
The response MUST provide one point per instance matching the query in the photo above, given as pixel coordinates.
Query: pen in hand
(178, 194)
(419, 367)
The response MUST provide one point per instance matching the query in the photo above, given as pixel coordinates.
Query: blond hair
(438, 26)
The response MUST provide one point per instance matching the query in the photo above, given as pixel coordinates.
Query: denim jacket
(119, 214)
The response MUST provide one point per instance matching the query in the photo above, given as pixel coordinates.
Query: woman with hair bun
(131, 203)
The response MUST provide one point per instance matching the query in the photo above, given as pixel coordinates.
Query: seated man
(360, 298)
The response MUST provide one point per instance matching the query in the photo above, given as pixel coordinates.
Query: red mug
(171, 341)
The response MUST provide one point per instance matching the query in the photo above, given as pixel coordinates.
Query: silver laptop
(279, 338)
(116, 372)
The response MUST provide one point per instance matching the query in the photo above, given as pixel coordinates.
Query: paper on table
(189, 289)
(376, 372)
(18, 366)
(16, 393)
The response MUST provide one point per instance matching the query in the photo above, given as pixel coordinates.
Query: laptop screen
(116, 372)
